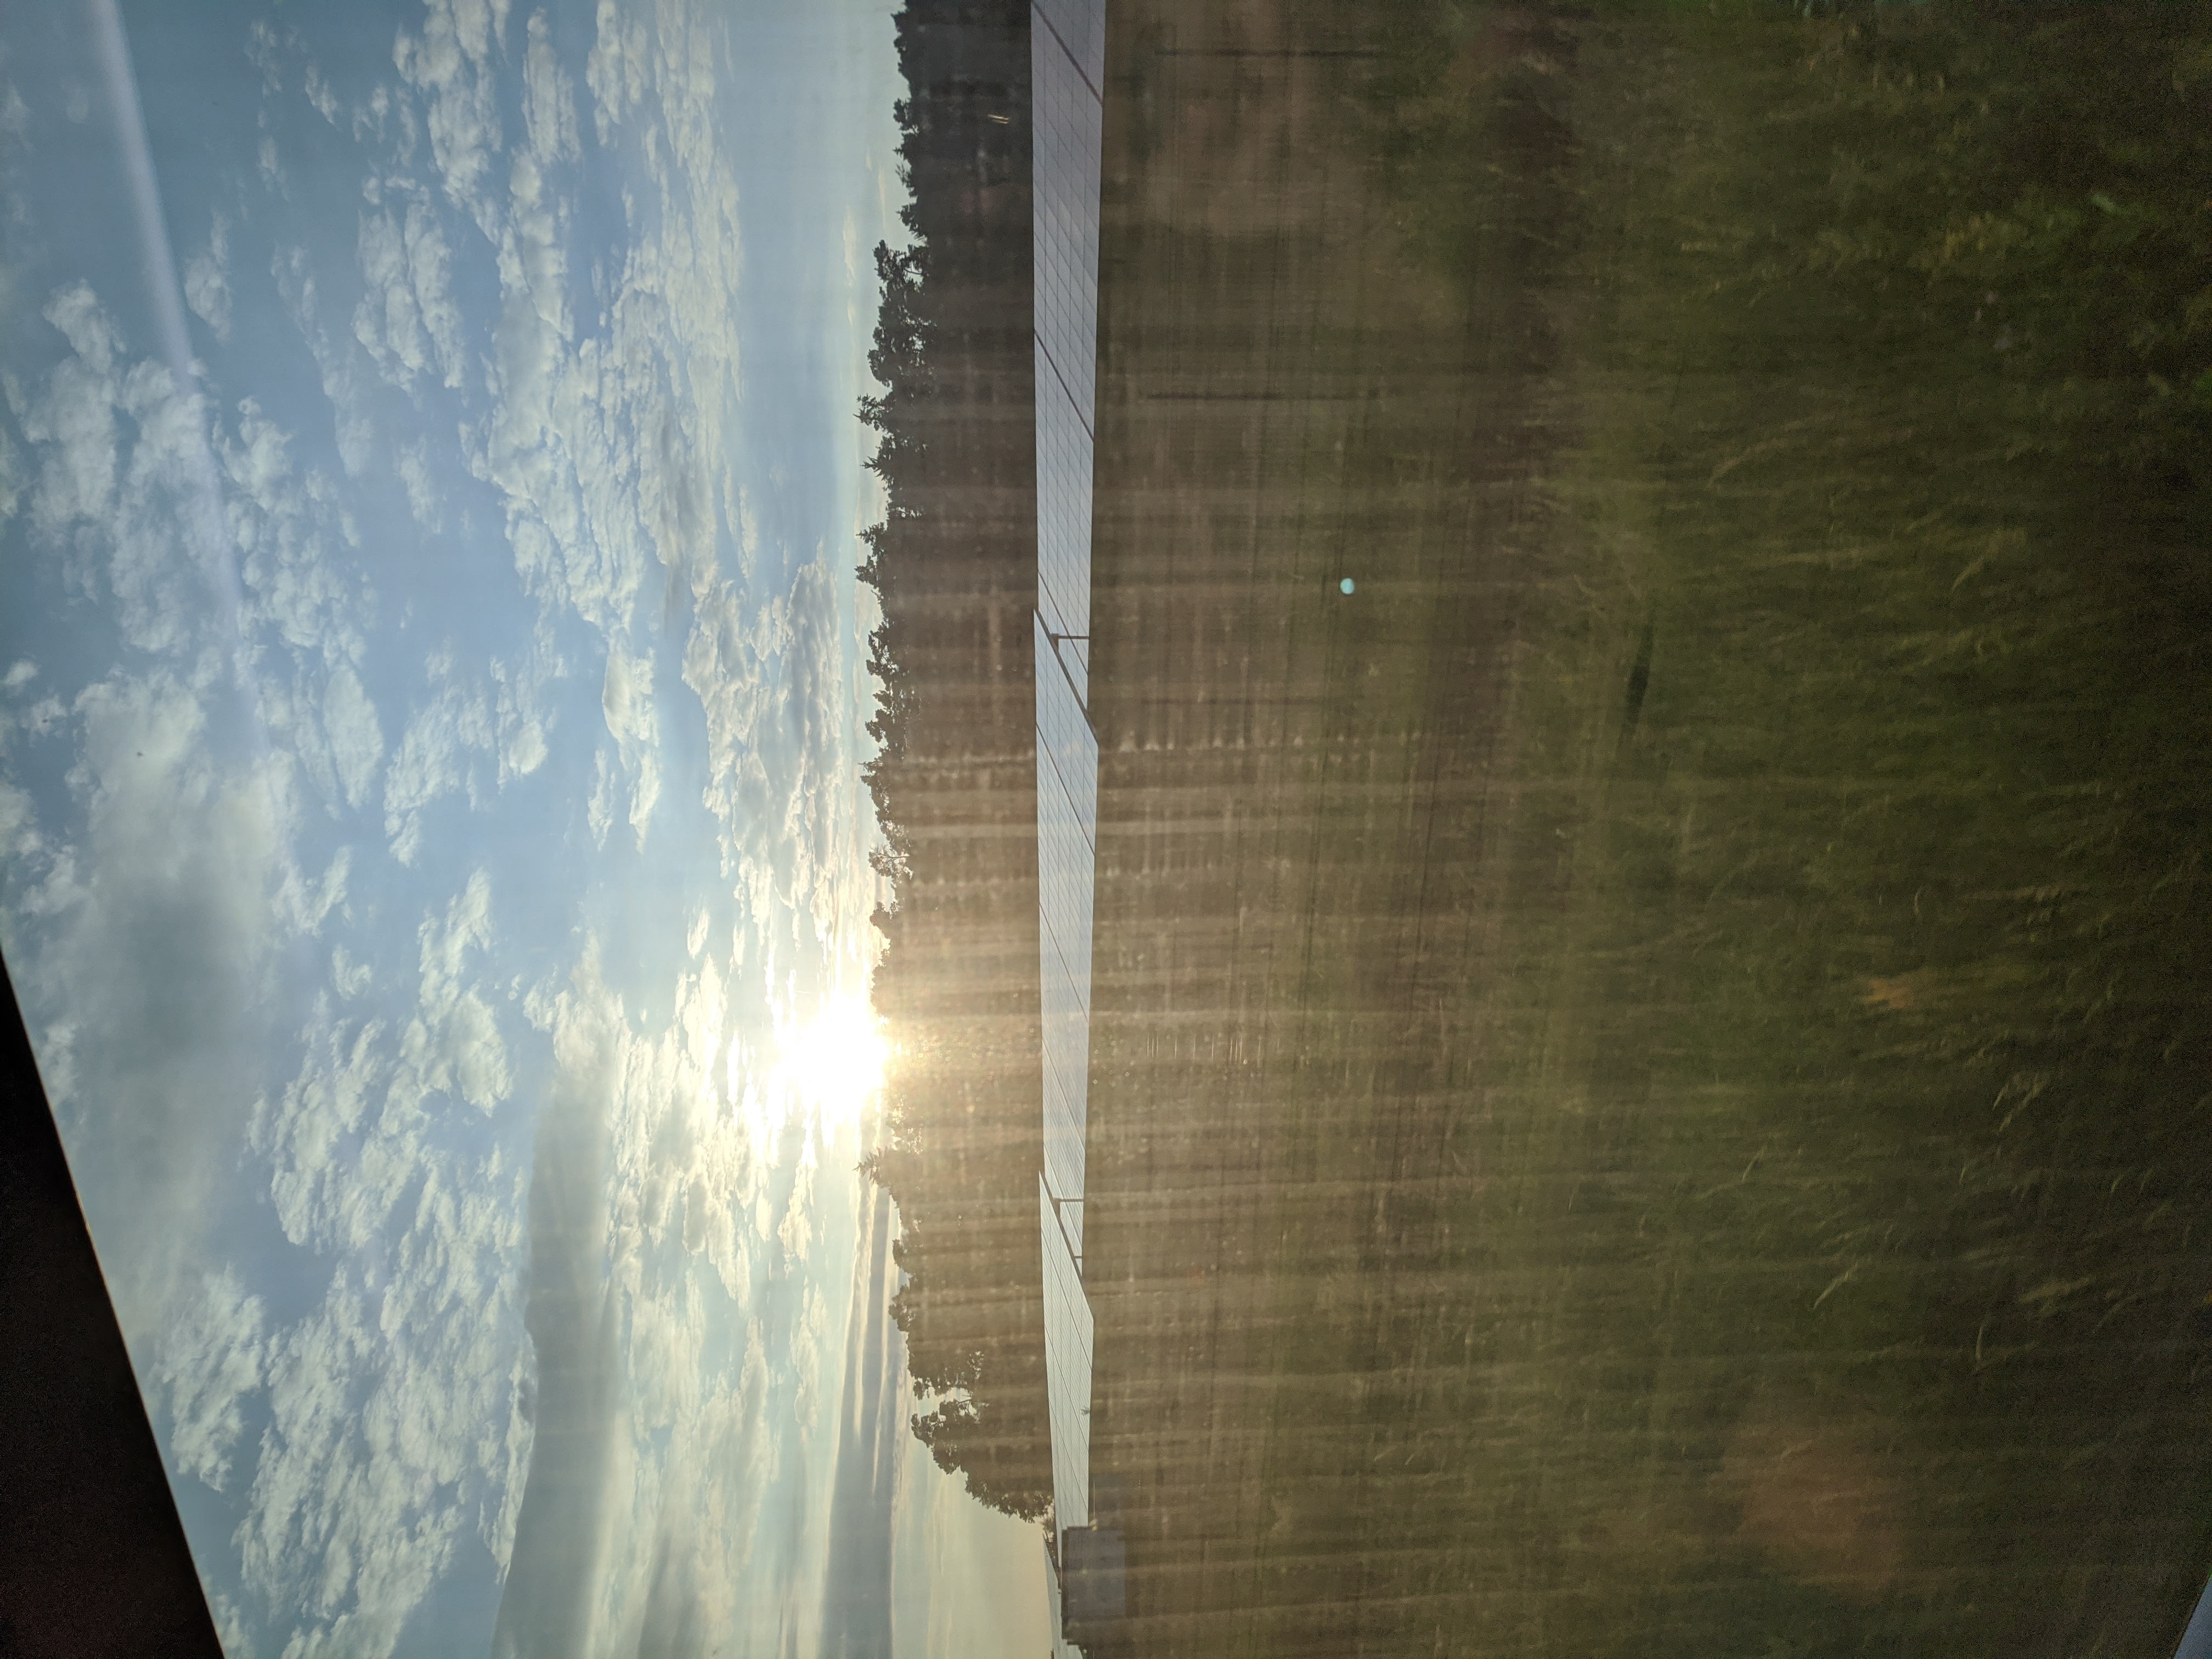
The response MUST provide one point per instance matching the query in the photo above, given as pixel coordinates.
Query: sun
(833, 1065)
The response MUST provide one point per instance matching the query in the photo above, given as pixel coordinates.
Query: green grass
(1861, 762)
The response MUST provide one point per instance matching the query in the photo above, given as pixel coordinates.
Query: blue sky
(434, 862)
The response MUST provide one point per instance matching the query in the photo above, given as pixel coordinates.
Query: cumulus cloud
(280, 521)
(727, 664)
(74, 421)
(447, 740)
(208, 1364)
(11, 478)
(546, 1605)
(819, 830)
(207, 281)
(408, 318)
(614, 452)
(617, 68)
(775, 682)
(469, 736)
(549, 102)
(350, 975)
(454, 1045)
(128, 467)
(523, 721)
(626, 699)
(450, 63)
(356, 737)
(599, 807)
(397, 1415)
(356, 428)
(399, 1409)
(335, 1175)
(422, 488)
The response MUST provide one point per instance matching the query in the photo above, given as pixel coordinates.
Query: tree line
(953, 565)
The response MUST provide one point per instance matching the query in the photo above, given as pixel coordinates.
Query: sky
(432, 860)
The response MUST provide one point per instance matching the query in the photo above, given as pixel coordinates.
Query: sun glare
(834, 1064)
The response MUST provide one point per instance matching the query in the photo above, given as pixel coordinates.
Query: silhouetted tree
(953, 566)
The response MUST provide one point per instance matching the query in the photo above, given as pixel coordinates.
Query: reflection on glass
(1479, 794)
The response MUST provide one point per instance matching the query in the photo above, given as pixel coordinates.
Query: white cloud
(357, 427)
(433, 759)
(400, 1415)
(320, 95)
(143, 935)
(616, 70)
(12, 481)
(336, 1174)
(357, 738)
(524, 722)
(726, 664)
(265, 49)
(605, 417)
(128, 492)
(392, 1408)
(465, 738)
(821, 832)
(414, 468)
(308, 1136)
(286, 525)
(133, 499)
(73, 423)
(549, 102)
(616, 451)
(207, 281)
(206, 1366)
(349, 975)
(387, 320)
(305, 905)
(453, 1045)
(626, 699)
(450, 65)
(407, 317)
(599, 809)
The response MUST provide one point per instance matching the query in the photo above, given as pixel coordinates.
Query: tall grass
(1841, 1277)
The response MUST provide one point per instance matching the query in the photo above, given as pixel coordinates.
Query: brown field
(1545, 1191)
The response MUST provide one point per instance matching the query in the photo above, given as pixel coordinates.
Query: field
(1650, 1076)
